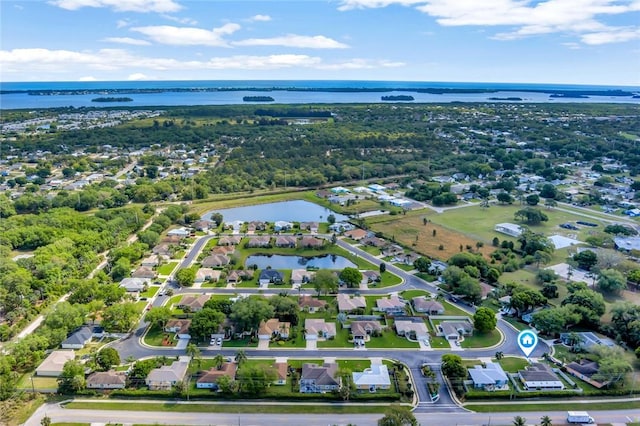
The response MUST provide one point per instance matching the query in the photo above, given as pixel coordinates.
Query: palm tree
(241, 357)
(545, 421)
(519, 421)
(194, 352)
(218, 361)
(499, 355)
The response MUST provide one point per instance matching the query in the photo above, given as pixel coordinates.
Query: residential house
(234, 225)
(341, 227)
(236, 276)
(286, 241)
(207, 274)
(539, 376)
(282, 225)
(627, 244)
(193, 302)
(144, 272)
(256, 225)
(180, 327)
(310, 226)
(270, 276)
(407, 258)
(392, 250)
(585, 369)
(262, 241)
(586, 340)
(223, 250)
(163, 249)
(372, 379)
(172, 239)
(179, 232)
(78, 339)
(427, 306)
(348, 303)
(371, 276)
(215, 261)
(134, 285)
(151, 261)
(412, 327)
(356, 234)
(490, 377)
(167, 376)
(281, 369)
(209, 380)
(391, 306)
(301, 276)
(273, 328)
(310, 242)
(317, 329)
(107, 380)
(53, 364)
(373, 242)
(452, 330)
(310, 304)
(229, 240)
(361, 330)
(319, 379)
(203, 225)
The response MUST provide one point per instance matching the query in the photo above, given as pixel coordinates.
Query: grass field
(38, 382)
(512, 364)
(553, 406)
(481, 340)
(167, 268)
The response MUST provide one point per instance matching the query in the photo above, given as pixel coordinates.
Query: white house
(134, 285)
(372, 379)
(509, 228)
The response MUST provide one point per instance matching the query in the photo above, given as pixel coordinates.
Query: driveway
(263, 345)
(182, 344)
(312, 345)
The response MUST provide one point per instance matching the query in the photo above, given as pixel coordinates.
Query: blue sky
(551, 41)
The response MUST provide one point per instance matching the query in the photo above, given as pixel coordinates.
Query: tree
(120, 318)
(71, 379)
(107, 357)
(531, 242)
(241, 357)
(331, 219)
(519, 421)
(546, 276)
(46, 421)
(398, 415)
(533, 199)
(204, 323)
(382, 268)
(248, 312)
(186, 277)
(545, 421)
(484, 320)
(325, 281)
(589, 304)
(285, 309)
(554, 321)
(422, 264)
(611, 281)
(158, 316)
(550, 203)
(612, 365)
(586, 259)
(504, 198)
(351, 277)
(254, 380)
(531, 216)
(452, 367)
(218, 361)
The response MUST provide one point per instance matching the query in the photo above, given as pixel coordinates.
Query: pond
(278, 261)
(292, 211)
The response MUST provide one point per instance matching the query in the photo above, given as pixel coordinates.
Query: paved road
(58, 414)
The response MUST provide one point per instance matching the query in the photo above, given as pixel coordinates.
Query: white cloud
(143, 6)
(293, 40)
(260, 18)
(577, 17)
(20, 61)
(183, 21)
(88, 78)
(188, 36)
(137, 77)
(121, 23)
(127, 40)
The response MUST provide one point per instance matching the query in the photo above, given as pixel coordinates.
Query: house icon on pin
(526, 340)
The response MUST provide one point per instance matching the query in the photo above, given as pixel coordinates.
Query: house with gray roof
(373, 378)
(490, 377)
(106, 380)
(78, 338)
(411, 327)
(452, 330)
(319, 379)
(134, 285)
(165, 377)
(539, 376)
(427, 306)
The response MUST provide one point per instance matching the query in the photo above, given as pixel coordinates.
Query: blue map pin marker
(527, 340)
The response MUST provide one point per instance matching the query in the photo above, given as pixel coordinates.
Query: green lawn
(151, 291)
(513, 364)
(371, 250)
(439, 342)
(387, 279)
(516, 323)
(38, 382)
(390, 339)
(141, 305)
(228, 408)
(167, 268)
(155, 336)
(239, 343)
(410, 294)
(404, 266)
(553, 406)
(450, 309)
(481, 340)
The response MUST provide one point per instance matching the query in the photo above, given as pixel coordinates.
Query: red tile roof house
(229, 240)
(193, 303)
(286, 241)
(281, 369)
(356, 234)
(209, 379)
(262, 241)
(224, 250)
(273, 328)
(391, 306)
(347, 303)
(310, 242)
(180, 327)
(310, 304)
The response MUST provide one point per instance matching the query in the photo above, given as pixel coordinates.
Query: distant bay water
(19, 95)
